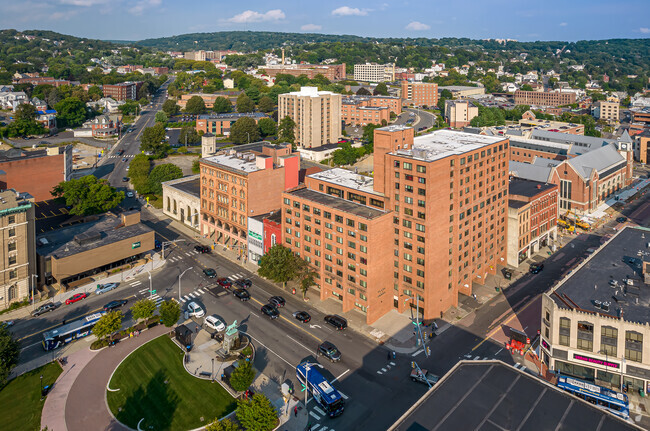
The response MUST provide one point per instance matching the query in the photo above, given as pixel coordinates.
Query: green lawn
(154, 385)
(20, 400)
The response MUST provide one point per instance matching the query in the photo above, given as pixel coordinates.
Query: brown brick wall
(36, 176)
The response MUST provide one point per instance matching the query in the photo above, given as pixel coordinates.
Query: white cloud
(349, 11)
(563, 24)
(252, 16)
(644, 30)
(417, 26)
(311, 27)
(140, 6)
(83, 2)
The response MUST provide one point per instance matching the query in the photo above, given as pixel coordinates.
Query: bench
(205, 374)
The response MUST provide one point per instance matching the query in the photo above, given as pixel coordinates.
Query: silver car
(103, 288)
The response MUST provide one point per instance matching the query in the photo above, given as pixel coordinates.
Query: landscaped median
(150, 389)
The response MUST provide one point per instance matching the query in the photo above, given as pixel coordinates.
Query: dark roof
(619, 259)
(338, 203)
(528, 188)
(516, 204)
(17, 153)
(192, 186)
(490, 395)
(233, 116)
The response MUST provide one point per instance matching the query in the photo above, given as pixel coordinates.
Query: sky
(567, 20)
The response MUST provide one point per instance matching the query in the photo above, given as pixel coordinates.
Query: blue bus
(607, 399)
(71, 331)
(328, 397)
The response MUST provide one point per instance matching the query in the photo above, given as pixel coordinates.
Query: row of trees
(254, 414)
(281, 265)
(111, 322)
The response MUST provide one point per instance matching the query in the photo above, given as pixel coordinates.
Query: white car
(195, 310)
(129, 194)
(213, 322)
(103, 288)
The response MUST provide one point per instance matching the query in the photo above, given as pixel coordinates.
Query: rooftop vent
(87, 238)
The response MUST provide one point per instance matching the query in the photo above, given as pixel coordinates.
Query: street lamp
(150, 285)
(33, 287)
(169, 243)
(179, 283)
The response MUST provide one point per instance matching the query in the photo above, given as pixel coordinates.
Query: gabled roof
(579, 144)
(531, 172)
(599, 160)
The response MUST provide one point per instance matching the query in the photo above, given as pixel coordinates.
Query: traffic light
(428, 351)
(412, 364)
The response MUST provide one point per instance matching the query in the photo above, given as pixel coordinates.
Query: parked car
(45, 308)
(336, 321)
(157, 244)
(424, 376)
(76, 297)
(125, 179)
(214, 323)
(303, 316)
(124, 159)
(270, 311)
(621, 219)
(120, 152)
(103, 288)
(244, 283)
(195, 309)
(202, 248)
(115, 304)
(129, 194)
(242, 294)
(210, 273)
(536, 268)
(224, 282)
(277, 301)
(330, 351)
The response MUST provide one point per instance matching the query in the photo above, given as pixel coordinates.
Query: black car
(270, 311)
(244, 283)
(202, 248)
(45, 308)
(119, 153)
(210, 273)
(621, 219)
(115, 304)
(536, 268)
(125, 179)
(303, 316)
(277, 301)
(330, 351)
(336, 321)
(242, 294)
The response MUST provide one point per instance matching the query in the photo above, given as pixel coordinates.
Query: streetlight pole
(33, 287)
(169, 243)
(179, 283)
(150, 286)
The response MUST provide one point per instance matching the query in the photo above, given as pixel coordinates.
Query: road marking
(202, 292)
(319, 410)
(523, 368)
(383, 370)
(418, 352)
(345, 397)
(143, 291)
(393, 363)
(135, 283)
(499, 351)
(183, 299)
(186, 298)
(378, 372)
(267, 348)
(485, 358)
(291, 323)
(516, 365)
(31, 345)
(299, 343)
(192, 295)
(341, 375)
(475, 358)
(315, 416)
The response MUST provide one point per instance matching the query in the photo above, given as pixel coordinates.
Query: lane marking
(299, 343)
(341, 375)
(418, 352)
(315, 416)
(291, 323)
(499, 351)
(202, 292)
(319, 410)
(345, 397)
(269, 349)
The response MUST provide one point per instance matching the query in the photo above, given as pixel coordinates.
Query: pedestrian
(197, 329)
(389, 356)
(295, 411)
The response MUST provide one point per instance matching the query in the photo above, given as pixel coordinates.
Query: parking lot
(50, 215)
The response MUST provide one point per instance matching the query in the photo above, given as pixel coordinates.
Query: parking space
(50, 215)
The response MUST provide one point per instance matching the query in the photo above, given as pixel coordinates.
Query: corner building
(430, 222)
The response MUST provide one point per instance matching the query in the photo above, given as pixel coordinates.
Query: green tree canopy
(189, 136)
(70, 112)
(257, 414)
(278, 265)
(9, 352)
(267, 127)
(380, 90)
(109, 323)
(139, 172)
(526, 87)
(196, 166)
(245, 104)
(363, 92)
(162, 173)
(266, 104)
(130, 107)
(242, 376)
(143, 309)
(95, 93)
(446, 94)
(170, 107)
(346, 155)
(25, 112)
(151, 140)
(195, 105)
(161, 117)
(88, 195)
(170, 312)
(222, 425)
(244, 130)
(222, 105)
(286, 130)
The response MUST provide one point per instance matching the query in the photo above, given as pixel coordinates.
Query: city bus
(607, 399)
(70, 331)
(324, 394)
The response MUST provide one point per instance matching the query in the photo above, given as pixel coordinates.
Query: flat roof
(232, 116)
(528, 188)
(458, 88)
(191, 186)
(445, 143)
(348, 179)
(337, 203)
(621, 258)
(491, 395)
(243, 162)
(12, 201)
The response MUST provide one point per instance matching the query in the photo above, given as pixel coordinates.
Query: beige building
(372, 72)
(17, 247)
(460, 91)
(459, 113)
(608, 111)
(595, 322)
(317, 115)
(182, 200)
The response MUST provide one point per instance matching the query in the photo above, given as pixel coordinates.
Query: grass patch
(154, 385)
(20, 399)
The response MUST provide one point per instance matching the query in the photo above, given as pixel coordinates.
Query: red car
(224, 282)
(75, 298)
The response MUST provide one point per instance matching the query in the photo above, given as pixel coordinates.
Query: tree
(170, 107)
(195, 105)
(222, 105)
(446, 94)
(266, 104)
(363, 92)
(257, 414)
(222, 425)
(278, 265)
(9, 352)
(130, 107)
(143, 309)
(380, 90)
(306, 275)
(151, 140)
(70, 112)
(95, 93)
(267, 127)
(88, 195)
(189, 136)
(286, 130)
(346, 155)
(170, 312)
(196, 166)
(244, 130)
(25, 112)
(161, 117)
(162, 173)
(109, 323)
(242, 376)
(139, 173)
(526, 87)
(245, 104)
(369, 133)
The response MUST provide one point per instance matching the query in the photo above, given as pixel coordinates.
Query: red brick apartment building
(122, 91)
(333, 72)
(220, 124)
(235, 186)
(419, 93)
(443, 185)
(363, 110)
(548, 98)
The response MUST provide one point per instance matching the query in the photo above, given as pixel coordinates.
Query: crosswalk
(179, 256)
(200, 291)
(115, 156)
(145, 293)
(316, 413)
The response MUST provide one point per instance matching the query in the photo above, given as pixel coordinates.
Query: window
(407, 166)
(565, 331)
(633, 346)
(608, 340)
(11, 219)
(11, 246)
(11, 260)
(12, 232)
(13, 274)
(585, 336)
(421, 169)
(338, 219)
